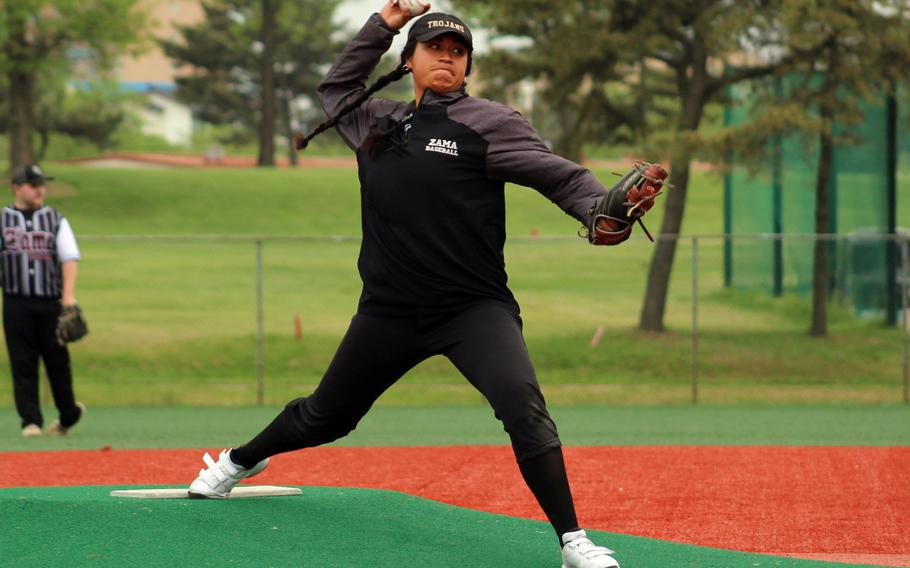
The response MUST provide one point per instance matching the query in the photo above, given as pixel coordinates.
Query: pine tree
(249, 59)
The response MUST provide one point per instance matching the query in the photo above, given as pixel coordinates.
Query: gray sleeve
(347, 78)
(517, 154)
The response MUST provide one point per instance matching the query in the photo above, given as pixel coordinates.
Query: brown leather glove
(71, 325)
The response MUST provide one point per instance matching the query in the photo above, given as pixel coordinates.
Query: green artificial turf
(323, 528)
(390, 426)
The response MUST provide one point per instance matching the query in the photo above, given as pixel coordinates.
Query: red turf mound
(847, 504)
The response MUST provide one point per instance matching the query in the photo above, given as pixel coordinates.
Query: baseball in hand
(414, 7)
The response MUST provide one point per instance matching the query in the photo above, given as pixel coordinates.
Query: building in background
(153, 70)
(164, 116)
(153, 74)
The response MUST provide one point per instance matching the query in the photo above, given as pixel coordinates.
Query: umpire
(38, 261)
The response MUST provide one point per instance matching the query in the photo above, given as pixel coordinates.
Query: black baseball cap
(436, 24)
(28, 173)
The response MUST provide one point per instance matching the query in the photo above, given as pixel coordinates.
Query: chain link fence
(240, 320)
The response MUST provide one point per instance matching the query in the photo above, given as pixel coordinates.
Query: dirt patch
(148, 159)
(59, 188)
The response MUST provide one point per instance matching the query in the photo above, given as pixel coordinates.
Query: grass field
(173, 320)
(214, 427)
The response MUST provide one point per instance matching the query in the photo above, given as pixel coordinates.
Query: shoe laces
(588, 549)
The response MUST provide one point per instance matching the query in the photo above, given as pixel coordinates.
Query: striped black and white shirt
(33, 245)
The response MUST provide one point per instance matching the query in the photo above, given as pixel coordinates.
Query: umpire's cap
(28, 173)
(435, 24)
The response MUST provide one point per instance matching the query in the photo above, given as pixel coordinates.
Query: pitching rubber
(240, 492)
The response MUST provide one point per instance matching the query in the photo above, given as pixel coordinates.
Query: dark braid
(301, 141)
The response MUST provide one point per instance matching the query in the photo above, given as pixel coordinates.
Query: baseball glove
(624, 204)
(71, 325)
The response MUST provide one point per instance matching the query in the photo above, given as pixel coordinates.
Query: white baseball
(414, 7)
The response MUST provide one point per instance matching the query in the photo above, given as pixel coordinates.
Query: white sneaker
(55, 429)
(579, 552)
(31, 431)
(217, 481)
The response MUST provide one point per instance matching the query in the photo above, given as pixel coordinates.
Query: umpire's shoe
(217, 481)
(31, 431)
(58, 429)
(579, 552)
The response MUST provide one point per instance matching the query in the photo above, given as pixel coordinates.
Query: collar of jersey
(25, 211)
(431, 97)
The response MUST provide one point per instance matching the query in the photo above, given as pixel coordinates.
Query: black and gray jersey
(432, 199)
(33, 246)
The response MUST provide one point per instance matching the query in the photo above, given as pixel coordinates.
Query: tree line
(246, 63)
(612, 71)
(642, 73)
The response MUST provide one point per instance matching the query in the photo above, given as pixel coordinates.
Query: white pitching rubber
(239, 492)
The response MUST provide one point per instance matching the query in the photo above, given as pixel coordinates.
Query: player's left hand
(641, 197)
(625, 203)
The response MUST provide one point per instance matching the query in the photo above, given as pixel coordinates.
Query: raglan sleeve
(347, 78)
(516, 154)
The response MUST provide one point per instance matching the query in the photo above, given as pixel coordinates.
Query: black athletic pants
(29, 324)
(484, 342)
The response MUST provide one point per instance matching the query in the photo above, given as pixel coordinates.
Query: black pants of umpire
(29, 325)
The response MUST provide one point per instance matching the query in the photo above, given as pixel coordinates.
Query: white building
(164, 116)
(152, 73)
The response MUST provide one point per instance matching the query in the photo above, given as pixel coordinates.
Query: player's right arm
(347, 78)
(68, 253)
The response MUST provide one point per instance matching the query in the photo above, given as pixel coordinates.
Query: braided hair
(376, 133)
(301, 141)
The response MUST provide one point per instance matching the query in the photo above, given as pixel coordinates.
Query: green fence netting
(779, 204)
